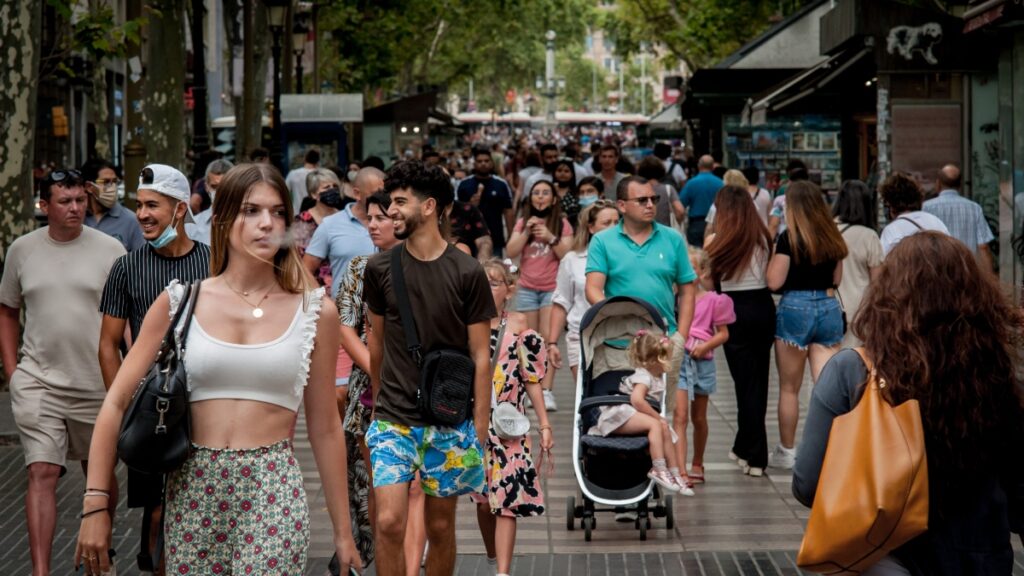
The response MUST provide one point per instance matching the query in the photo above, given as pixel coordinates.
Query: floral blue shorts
(449, 460)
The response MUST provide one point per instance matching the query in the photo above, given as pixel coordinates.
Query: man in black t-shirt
(134, 283)
(494, 201)
(451, 301)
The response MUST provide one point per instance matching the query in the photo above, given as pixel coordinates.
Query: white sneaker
(782, 457)
(753, 471)
(549, 401)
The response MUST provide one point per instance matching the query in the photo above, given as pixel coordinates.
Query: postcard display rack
(813, 139)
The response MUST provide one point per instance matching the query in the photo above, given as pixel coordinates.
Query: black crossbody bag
(444, 395)
(155, 435)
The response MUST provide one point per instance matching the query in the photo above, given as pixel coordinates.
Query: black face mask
(540, 213)
(331, 198)
(550, 168)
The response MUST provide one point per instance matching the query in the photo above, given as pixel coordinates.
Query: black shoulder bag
(155, 431)
(445, 391)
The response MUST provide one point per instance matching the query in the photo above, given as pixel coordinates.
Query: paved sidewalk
(735, 525)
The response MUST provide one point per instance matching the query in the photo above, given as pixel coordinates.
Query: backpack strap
(916, 225)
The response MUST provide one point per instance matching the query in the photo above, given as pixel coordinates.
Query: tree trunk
(163, 103)
(100, 112)
(249, 123)
(20, 30)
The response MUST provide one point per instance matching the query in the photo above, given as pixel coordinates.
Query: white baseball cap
(168, 181)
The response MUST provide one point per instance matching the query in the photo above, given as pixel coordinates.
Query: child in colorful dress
(697, 378)
(649, 354)
(513, 486)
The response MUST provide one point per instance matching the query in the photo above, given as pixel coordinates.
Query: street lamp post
(276, 10)
(300, 33)
(200, 139)
(549, 77)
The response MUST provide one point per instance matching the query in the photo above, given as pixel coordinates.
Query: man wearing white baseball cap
(135, 281)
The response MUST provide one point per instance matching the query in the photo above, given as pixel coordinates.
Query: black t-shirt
(468, 224)
(446, 296)
(804, 275)
(496, 198)
(137, 279)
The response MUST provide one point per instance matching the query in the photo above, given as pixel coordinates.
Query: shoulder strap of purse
(916, 225)
(845, 228)
(494, 359)
(412, 341)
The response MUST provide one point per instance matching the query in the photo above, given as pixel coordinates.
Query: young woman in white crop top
(263, 341)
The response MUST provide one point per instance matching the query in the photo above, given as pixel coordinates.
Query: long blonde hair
(587, 218)
(233, 190)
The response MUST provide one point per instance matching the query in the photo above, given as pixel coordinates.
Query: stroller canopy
(609, 326)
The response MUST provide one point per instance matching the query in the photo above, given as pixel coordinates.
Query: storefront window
(813, 139)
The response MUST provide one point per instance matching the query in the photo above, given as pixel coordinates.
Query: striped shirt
(964, 218)
(138, 278)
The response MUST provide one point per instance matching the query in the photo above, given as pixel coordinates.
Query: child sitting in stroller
(649, 355)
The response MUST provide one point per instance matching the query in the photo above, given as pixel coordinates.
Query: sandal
(696, 478)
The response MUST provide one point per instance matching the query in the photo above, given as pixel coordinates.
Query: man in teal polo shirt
(644, 259)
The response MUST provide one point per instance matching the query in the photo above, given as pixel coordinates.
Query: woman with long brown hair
(939, 330)
(541, 236)
(807, 267)
(263, 341)
(738, 252)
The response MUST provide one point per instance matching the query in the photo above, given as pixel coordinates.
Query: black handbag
(155, 435)
(445, 391)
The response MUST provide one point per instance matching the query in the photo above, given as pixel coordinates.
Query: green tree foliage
(389, 47)
(697, 32)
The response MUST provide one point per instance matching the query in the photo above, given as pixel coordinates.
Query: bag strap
(412, 341)
(916, 225)
(494, 359)
(845, 228)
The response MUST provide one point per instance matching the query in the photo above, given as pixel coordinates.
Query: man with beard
(450, 297)
(135, 282)
(549, 157)
(492, 195)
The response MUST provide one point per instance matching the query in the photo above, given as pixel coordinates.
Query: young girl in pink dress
(513, 484)
(650, 355)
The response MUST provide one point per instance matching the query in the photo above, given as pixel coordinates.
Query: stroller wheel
(643, 530)
(588, 526)
(570, 513)
(670, 515)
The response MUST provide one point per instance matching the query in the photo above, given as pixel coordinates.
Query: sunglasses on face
(652, 200)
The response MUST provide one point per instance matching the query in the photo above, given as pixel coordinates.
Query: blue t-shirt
(496, 198)
(648, 271)
(338, 239)
(699, 194)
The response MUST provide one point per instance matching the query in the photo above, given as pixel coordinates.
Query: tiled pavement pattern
(735, 525)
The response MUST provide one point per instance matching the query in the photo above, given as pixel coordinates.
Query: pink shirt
(712, 309)
(538, 264)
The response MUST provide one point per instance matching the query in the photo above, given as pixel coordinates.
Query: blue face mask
(587, 201)
(166, 237)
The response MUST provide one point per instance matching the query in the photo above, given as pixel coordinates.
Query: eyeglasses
(108, 181)
(68, 177)
(652, 200)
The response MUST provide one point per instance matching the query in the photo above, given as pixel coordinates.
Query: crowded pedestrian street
(515, 288)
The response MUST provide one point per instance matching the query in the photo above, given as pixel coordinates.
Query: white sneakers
(782, 457)
(746, 467)
(549, 401)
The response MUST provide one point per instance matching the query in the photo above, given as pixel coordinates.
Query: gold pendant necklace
(257, 311)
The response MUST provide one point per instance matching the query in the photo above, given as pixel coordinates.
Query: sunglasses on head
(67, 177)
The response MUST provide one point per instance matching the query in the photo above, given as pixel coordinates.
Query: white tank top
(274, 372)
(752, 277)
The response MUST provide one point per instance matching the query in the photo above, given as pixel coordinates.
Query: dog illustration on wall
(909, 39)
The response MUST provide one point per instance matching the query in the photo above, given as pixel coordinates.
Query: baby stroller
(612, 471)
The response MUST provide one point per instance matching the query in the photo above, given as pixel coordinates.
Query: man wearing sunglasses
(55, 273)
(644, 259)
(106, 213)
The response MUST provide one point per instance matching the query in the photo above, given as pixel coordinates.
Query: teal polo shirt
(648, 271)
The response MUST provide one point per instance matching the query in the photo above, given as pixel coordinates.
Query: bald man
(964, 218)
(698, 196)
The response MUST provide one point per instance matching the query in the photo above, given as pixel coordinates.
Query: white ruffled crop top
(274, 372)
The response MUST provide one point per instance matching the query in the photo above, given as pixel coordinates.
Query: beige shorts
(672, 377)
(53, 427)
(572, 343)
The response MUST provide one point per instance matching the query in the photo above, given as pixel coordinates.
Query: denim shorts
(449, 459)
(528, 299)
(808, 317)
(697, 377)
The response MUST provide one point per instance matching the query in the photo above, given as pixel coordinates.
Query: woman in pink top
(540, 238)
